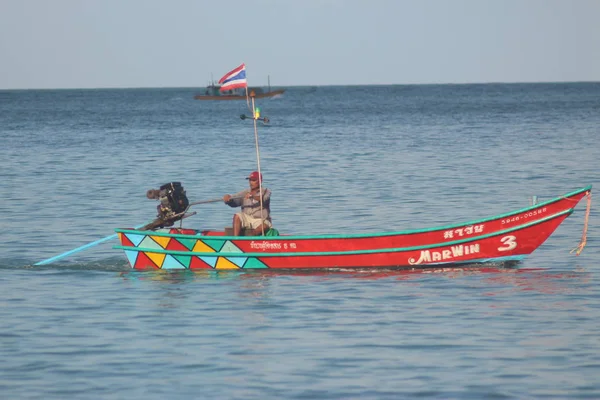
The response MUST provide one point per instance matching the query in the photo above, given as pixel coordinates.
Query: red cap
(254, 176)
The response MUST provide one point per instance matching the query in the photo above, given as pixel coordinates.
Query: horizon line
(299, 86)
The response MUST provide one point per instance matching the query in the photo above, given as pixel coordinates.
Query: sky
(48, 44)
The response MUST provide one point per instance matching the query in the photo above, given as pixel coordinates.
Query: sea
(76, 164)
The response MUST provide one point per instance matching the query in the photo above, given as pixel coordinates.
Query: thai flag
(234, 79)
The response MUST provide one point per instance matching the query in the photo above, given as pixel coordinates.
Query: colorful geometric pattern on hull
(151, 260)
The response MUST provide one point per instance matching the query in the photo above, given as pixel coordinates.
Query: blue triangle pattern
(134, 238)
(239, 261)
(171, 263)
(212, 261)
(131, 257)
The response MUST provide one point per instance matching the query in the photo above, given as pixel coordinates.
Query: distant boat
(213, 92)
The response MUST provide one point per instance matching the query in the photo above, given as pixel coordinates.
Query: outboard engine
(173, 201)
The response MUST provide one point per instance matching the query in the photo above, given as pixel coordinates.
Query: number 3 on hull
(510, 243)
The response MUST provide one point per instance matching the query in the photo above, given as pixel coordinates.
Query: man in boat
(256, 212)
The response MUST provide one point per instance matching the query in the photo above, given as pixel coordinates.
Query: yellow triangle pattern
(223, 263)
(201, 247)
(157, 258)
(162, 240)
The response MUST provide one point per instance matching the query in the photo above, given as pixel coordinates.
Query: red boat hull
(153, 250)
(445, 234)
(502, 246)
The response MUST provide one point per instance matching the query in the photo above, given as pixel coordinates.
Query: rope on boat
(583, 240)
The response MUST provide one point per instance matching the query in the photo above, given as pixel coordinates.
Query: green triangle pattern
(189, 243)
(184, 260)
(254, 263)
(148, 243)
(216, 244)
(229, 247)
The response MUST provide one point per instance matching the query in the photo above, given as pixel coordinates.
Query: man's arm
(236, 199)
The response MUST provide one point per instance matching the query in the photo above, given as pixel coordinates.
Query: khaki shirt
(251, 207)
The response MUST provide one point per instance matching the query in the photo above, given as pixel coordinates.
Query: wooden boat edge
(576, 192)
(565, 213)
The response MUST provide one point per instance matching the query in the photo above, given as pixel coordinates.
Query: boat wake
(116, 264)
(108, 264)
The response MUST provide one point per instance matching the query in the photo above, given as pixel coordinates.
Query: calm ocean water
(75, 164)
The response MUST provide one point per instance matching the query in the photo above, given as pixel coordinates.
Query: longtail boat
(499, 239)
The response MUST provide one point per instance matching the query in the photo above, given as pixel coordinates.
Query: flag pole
(260, 191)
(252, 95)
(254, 118)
